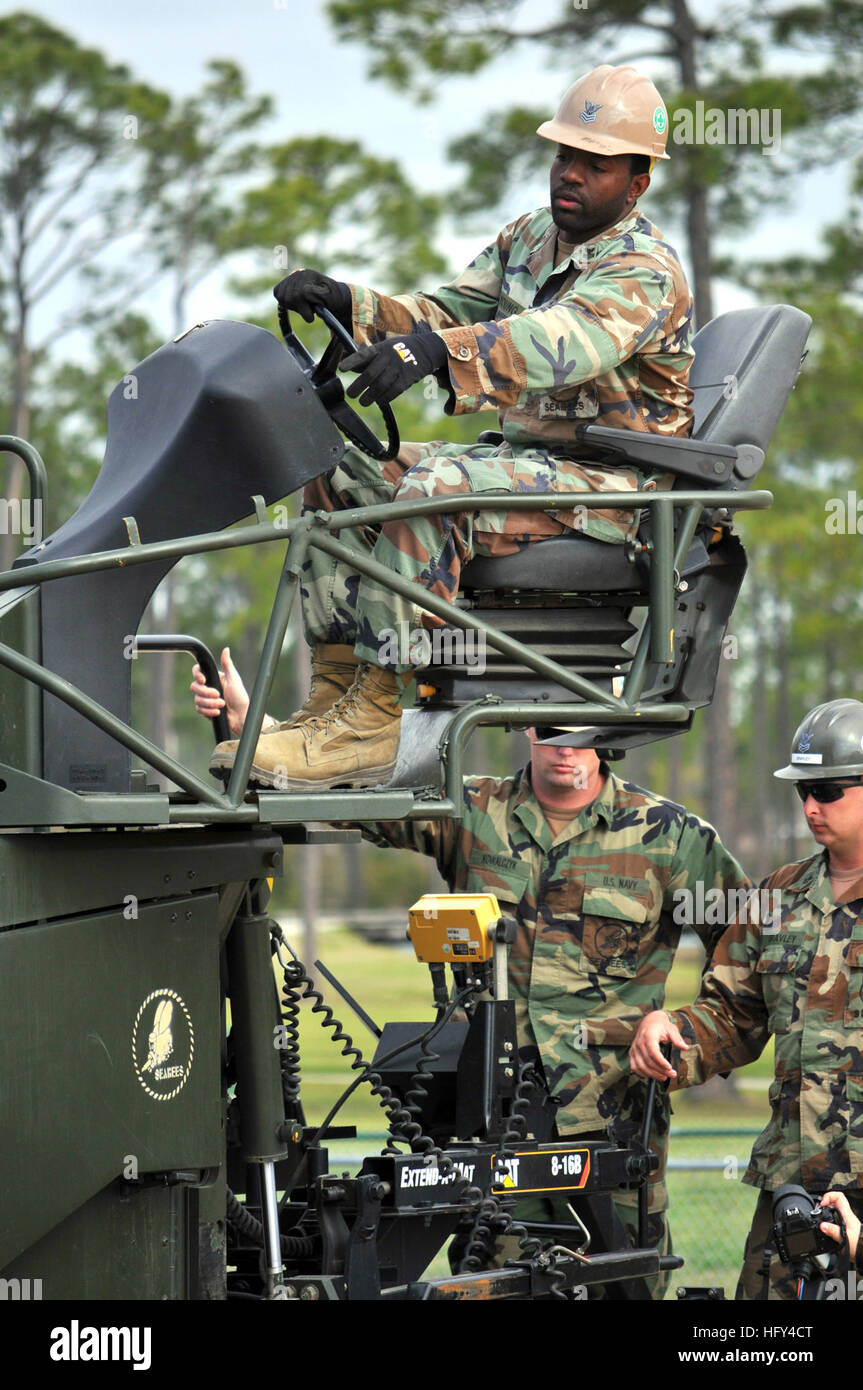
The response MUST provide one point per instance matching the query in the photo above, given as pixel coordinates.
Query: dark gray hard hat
(574, 736)
(566, 736)
(828, 744)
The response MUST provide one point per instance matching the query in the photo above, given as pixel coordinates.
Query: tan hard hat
(611, 111)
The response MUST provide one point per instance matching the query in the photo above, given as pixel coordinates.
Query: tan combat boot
(355, 744)
(334, 668)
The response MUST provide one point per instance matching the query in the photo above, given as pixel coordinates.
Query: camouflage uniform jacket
(596, 909)
(799, 976)
(602, 338)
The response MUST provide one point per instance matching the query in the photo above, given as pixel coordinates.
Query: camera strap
(765, 1271)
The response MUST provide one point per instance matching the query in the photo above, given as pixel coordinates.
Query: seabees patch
(163, 1044)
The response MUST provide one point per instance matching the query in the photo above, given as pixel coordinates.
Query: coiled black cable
(298, 1247)
(479, 1249)
(528, 1080)
(557, 1281)
(491, 1223)
(399, 1118)
(295, 976)
(416, 1094)
(382, 1091)
(289, 1052)
(492, 1220)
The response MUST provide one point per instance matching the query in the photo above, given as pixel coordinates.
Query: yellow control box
(453, 928)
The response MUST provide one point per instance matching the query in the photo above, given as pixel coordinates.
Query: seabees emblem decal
(163, 1044)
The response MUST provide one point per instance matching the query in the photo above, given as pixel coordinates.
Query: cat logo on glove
(405, 354)
(163, 1044)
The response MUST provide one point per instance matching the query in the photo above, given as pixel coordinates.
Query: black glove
(386, 369)
(304, 290)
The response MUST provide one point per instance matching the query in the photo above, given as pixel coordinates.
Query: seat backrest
(746, 363)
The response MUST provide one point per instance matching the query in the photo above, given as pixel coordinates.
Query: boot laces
(343, 705)
(318, 677)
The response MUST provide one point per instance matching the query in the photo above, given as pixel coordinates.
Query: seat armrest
(711, 465)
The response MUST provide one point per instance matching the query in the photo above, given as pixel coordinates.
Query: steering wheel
(330, 390)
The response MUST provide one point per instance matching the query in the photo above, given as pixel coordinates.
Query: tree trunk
(310, 901)
(698, 213)
(698, 227)
(162, 728)
(19, 425)
(758, 861)
(785, 721)
(310, 855)
(674, 773)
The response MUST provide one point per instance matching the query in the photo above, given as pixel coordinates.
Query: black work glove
(386, 369)
(304, 290)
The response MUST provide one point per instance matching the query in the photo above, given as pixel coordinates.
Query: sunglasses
(825, 791)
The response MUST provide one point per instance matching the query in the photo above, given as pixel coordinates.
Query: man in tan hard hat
(578, 312)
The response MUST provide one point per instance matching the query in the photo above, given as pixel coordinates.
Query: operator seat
(582, 602)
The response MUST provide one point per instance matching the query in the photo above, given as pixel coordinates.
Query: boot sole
(370, 777)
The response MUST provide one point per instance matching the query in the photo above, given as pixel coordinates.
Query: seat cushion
(564, 563)
(571, 564)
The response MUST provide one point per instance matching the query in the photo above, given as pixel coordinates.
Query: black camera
(797, 1218)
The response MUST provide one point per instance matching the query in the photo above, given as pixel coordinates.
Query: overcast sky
(287, 49)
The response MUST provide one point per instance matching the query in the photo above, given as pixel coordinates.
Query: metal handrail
(315, 529)
(36, 470)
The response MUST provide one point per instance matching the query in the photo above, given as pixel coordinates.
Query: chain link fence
(710, 1208)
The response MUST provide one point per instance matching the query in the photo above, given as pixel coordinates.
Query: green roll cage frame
(33, 801)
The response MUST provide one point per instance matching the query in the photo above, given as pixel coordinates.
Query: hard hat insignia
(588, 115)
(660, 120)
(805, 743)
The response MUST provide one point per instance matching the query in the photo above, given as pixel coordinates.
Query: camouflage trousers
(340, 606)
(782, 1284)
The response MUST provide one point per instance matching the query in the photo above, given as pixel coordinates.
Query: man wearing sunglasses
(797, 975)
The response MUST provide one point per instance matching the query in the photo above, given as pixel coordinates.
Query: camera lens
(791, 1201)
